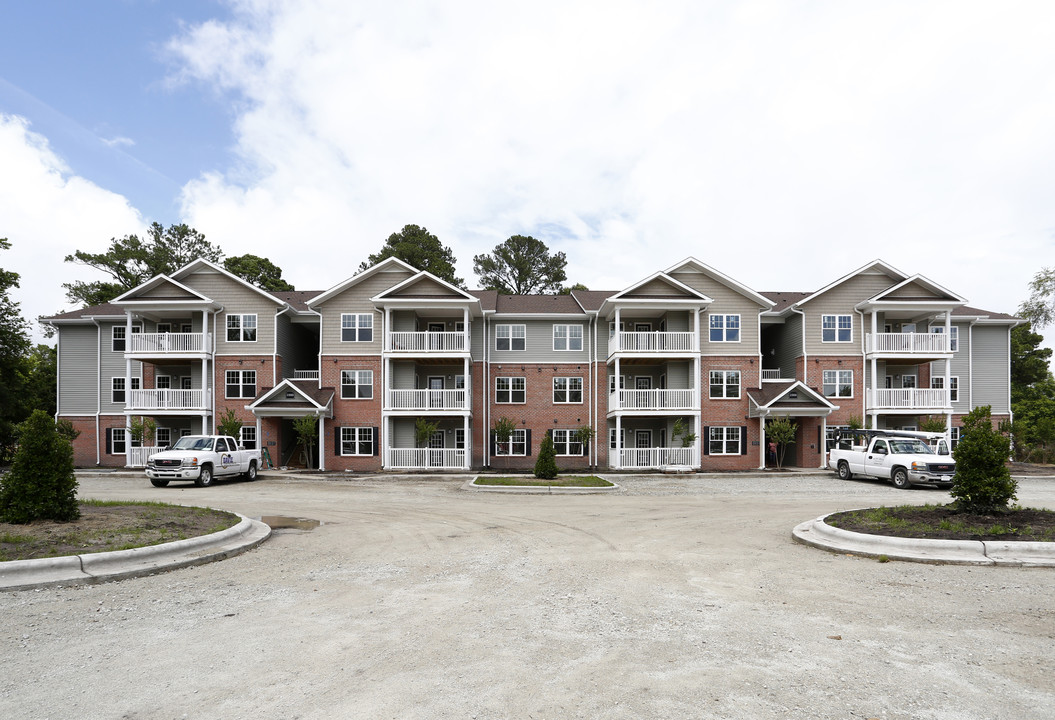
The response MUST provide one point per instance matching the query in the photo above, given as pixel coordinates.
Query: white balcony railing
(653, 342)
(652, 400)
(427, 399)
(168, 400)
(417, 342)
(907, 343)
(169, 343)
(911, 398)
(425, 459)
(138, 456)
(768, 374)
(305, 374)
(658, 457)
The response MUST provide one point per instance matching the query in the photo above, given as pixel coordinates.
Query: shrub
(228, 423)
(41, 484)
(546, 465)
(982, 482)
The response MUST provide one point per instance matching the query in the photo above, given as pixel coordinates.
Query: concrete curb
(943, 552)
(470, 484)
(104, 567)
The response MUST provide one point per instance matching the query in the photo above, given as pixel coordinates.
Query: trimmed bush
(546, 465)
(982, 482)
(41, 484)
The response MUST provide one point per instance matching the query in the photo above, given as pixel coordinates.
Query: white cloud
(49, 213)
(782, 144)
(118, 141)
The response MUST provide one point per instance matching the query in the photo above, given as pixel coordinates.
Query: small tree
(854, 422)
(584, 435)
(143, 430)
(228, 424)
(982, 482)
(306, 433)
(41, 484)
(65, 428)
(423, 430)
(687, 438)
(503, 430)
(932, 424)
(782, 432)
(546, 464)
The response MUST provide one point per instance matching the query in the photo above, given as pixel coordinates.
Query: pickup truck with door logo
(201, 458)
(903, 459)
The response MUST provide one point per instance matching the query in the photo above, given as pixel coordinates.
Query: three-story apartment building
(403, 371)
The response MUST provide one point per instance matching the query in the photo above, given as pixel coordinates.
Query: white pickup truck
(903, 459)
(201, 458)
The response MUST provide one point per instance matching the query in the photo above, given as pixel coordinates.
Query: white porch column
(322, 441)
(696, 330)
(467, 339)
(468, 445)
(824, 442)
(618, 437)
(615, 336)
(762, 442)
(467, 374)
(387, 330)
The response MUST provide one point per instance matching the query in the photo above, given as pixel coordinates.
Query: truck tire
(844, 471)
(205, 477)
(900, 479)
(159, 483)
(250, 474)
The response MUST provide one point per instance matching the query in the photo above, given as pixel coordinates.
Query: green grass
(587, 481)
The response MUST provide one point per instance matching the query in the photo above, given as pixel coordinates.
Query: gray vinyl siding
(298, 346)
(726, 302)
(237, 299)
(113, 365)
(403, 433)
(990, 355)
(960, 368)
(476, 339)
(539, 341)
(356, 299)
(786, 339)
(78, 377)
(840, 300)
(402, 377)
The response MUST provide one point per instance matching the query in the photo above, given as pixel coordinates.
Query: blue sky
(785, 144)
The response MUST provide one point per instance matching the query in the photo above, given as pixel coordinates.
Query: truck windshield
(193, 443)
(910, 447)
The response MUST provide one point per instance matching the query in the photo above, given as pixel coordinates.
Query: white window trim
(567, 337)
(568, 443)
(241, 383)
(568, 391)
(355, 441)
(510, 390)
(513, 442)
(356, 326)
(725, 327)
(836, 328)
(725, 385)
(357, 384)
(511, 337)
(837, 383)
(725, 439)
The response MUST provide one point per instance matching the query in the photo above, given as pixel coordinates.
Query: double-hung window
(241, 328)
(240, 383)
(118, 446)
(838, 383)
(163, 437)
(510, 337)
(565, 443)
(837, 328)
(954, 336)
(567, 337)
(247, 437)
(357, 441)
(937, 383)
(724, 441)
(567, 390)
(510, 390)
(725, 328)
(517, 444)
(357, 384)
(118, 339)
(117, 393)
(357, 327)
(725, 384)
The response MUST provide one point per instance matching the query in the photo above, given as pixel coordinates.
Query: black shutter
(494, 444)
(527, 441)
(377, 445)
(337, 441)
(820, 439)
(109, 441)
(706, 441)
(743, 439)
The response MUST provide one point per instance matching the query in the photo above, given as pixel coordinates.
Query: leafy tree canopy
(568, 289)
(521, 266)
(14, 344)
(132, 260)
(257, 270)
(982, 482)
(418, 247)
(1040, 308)
(1029, 361)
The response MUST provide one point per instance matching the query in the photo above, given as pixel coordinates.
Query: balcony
(910, 399)
(653, 342)
(151, 400)
(652, 400)
(169, 343)
(657, 458)
(425, 400)
(425, 459)
(428, 342)
(305, 374)
(923, 344)
(771, 375)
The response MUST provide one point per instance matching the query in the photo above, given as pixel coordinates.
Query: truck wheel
(205, 478)
(159, 483)
(250, 474)
(900, 479)
(844, 471)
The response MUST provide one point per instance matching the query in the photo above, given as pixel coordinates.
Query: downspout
(98, 386)
(863, 371)
(970, 365)
(595, 418)
(486, 430)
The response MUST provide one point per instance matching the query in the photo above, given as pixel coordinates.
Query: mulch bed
(1027, 525)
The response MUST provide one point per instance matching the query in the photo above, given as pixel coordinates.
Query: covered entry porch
(807, 408)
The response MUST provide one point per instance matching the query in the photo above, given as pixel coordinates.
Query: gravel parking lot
(675, 597)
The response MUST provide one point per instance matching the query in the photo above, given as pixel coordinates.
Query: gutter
(98, 384)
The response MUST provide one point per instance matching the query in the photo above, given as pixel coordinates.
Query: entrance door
(435, 338)
(436, 449)
(436, 391)
(643, 341)
(643, 448)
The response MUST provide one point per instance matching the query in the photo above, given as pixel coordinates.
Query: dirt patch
(1021, 468)
(102, 528)
(944, 523)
